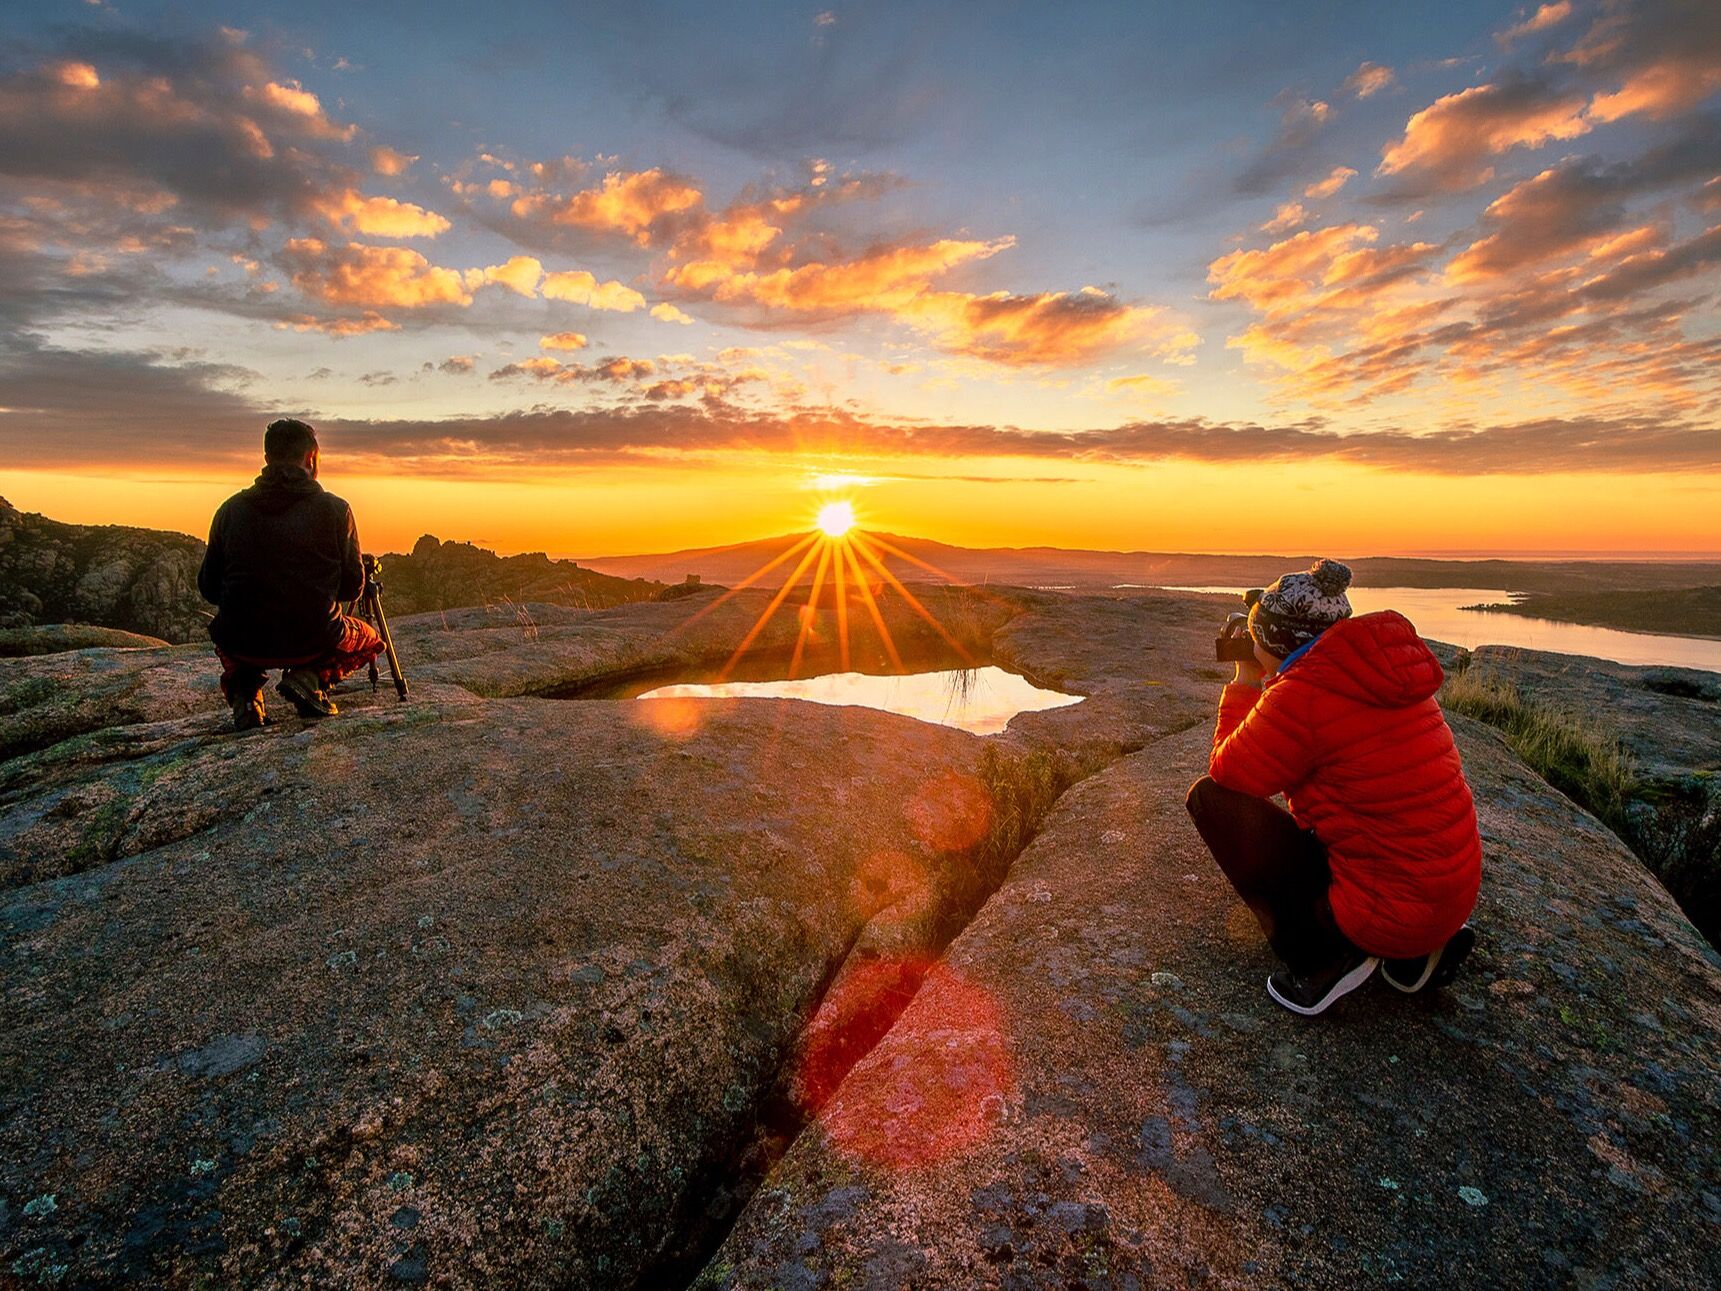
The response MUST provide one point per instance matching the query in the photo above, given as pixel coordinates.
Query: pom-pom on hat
(1297, 608)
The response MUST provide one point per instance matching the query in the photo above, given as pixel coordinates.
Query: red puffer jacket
(1349, 731)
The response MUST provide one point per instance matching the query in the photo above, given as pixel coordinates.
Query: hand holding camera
(1235, 645)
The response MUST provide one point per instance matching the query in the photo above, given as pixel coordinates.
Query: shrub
(1580, 758)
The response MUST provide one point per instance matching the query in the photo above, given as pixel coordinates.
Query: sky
(598, 278)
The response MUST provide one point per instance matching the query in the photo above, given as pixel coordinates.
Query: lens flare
(836, 518)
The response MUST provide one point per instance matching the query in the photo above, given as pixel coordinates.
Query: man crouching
(282, 556)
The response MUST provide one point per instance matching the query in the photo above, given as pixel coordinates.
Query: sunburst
(841, 559)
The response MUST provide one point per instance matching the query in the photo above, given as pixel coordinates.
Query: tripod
(368, 607)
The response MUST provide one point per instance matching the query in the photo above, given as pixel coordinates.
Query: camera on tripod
(1234, 644)
(368, 607)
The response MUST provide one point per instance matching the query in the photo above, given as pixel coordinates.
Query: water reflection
(979, 700)
(1439, 615)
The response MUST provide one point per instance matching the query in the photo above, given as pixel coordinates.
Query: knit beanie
(1297, 608)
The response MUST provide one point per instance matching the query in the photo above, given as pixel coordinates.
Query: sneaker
(1312, 993)
(1436, 969)
(248, 714)
(302, 688)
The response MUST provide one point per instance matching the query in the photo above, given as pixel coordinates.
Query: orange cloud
(1285, 218)
(374, 277)
(380, 216)
(884, 280)
(294, 100)
(519, 274)
(583, 288)
(1661, 89)
(369, 321)
(1548, 15)
(629, 203)
(1054, 329)
(1336, 179)
(667, 313)
(79, 76)
(563, 341)
(386, 161)
(1450, 141)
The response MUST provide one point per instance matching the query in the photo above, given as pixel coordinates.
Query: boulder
(1092, 1088)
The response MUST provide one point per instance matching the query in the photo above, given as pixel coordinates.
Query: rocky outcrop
(138, 580)
(1092, 1090)
(1669, 721)
(493, 989)
(450, 575)
(145, 580)
(56, 638)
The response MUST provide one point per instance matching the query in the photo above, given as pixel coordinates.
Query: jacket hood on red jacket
(1375, 659)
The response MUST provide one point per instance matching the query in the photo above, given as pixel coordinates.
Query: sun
(836, 518)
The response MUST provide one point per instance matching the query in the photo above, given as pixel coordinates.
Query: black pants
(1279, 870)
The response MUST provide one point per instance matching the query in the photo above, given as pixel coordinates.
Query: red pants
(242, 678)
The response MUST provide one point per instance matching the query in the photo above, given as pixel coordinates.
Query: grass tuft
(1579, 757)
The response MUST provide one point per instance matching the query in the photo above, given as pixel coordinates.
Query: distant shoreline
(1663, 612)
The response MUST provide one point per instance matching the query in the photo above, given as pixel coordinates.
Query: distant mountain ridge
(1054, 567)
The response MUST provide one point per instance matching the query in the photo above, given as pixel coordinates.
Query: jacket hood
(280, 487)
(1375, 659)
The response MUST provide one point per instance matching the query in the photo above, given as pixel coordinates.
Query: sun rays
(843, 573)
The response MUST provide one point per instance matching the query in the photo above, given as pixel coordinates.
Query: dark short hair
(288, 440)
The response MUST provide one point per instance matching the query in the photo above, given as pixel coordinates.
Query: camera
(1233, 644)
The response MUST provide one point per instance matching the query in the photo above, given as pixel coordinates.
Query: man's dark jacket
(281, 557)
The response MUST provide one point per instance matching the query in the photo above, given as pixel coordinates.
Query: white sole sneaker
(1344, 986)
(1453, 953)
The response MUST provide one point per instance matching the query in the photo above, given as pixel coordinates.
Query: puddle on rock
(980, 700)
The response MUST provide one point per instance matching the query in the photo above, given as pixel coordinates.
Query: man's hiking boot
(1436, 969)
(1312, 993)
(248, 713)
(302, 689)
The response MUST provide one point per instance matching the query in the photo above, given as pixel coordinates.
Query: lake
(980, 700)
(1437, 615)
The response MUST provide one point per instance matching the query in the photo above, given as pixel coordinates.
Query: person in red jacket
(1378, 858)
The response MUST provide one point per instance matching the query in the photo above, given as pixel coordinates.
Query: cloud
(386, 161)
(1301, 124)
(541, 438)
(1368, 79)
(454, 365)
(582, 288)
(1052, 329)
(626, 203)
(380, 216)
(519, 274)
(1287, 217)
(1583, 203)
(192, 414)
(292, 99)
(667, 313)
(1546, 16)
(882, 280)
(1657, 58)
(1450, 144)
(371, 277)
(1336, 179)
(1651, 58)
(563, 341)
(365, 323)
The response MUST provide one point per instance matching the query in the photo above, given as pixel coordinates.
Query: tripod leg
(395, 673)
